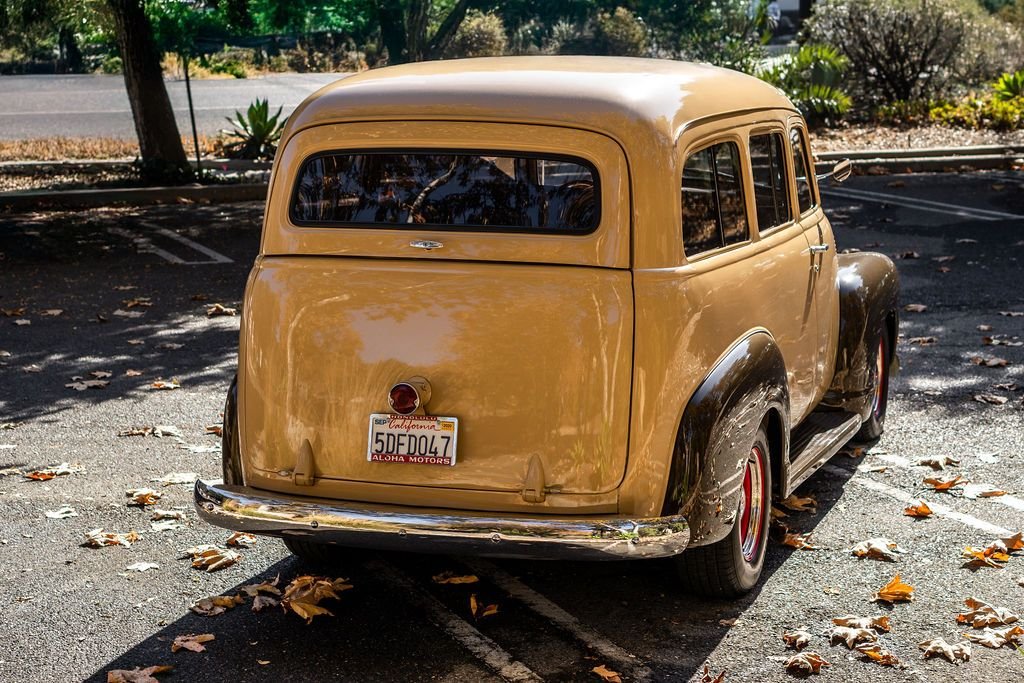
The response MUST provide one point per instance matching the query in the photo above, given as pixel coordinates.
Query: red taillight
(404, 399)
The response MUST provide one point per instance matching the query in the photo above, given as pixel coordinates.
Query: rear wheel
(732, 566)
(874, 425)
(314, 553)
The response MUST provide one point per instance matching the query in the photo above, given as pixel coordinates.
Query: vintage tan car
(559, 307)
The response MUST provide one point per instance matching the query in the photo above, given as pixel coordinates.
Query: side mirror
(840, 172)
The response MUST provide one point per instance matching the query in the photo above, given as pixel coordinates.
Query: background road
(97, 105)
(68, 612)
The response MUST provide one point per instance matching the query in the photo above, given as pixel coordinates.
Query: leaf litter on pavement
(303, 595)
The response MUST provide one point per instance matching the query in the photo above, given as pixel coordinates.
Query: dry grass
(62, 148)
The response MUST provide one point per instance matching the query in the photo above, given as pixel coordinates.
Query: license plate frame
(436, 429)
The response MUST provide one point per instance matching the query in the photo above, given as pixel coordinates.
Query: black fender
(868, 303)
(718, 426)
(231, 456)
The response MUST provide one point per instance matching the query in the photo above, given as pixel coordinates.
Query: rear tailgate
(526, 338)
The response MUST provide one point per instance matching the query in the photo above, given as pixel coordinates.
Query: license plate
(413, 439)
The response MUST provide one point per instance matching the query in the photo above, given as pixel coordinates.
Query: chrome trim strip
(393, 528)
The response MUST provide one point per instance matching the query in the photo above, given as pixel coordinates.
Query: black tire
(314, 553)
(874, 425)
(721, 570)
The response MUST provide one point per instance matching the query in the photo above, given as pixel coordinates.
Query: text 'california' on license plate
(414, 439)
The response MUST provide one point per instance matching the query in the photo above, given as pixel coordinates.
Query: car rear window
(771, 193)
(448, 190)
(714, 213)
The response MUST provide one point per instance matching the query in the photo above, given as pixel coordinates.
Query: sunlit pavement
(68, 612)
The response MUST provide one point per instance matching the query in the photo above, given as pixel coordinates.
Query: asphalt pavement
(69, 612)
(96, 105)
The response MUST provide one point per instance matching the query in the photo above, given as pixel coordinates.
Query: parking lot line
(904, 497)
(622, 660)
(921, 204)
(900, 461)
(216, 256)
(482, 647)
(145, 246)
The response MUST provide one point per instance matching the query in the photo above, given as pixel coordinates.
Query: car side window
(771, 193)
(801, 164)
(714, 213)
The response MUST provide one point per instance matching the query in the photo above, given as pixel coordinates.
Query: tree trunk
(163, 157)
(70, 56)
(391, 17)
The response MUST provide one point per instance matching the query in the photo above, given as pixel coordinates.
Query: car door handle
(819, 248)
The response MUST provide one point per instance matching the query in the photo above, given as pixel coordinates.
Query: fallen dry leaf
(261, 602)
(938, 462)
(1012, 314)
(961, 652)
(166, 525)
(943, 259)
(992, 399)
(21, 322)
(166, 384)
(776, 513)
(240, 539)
(62, 512)
(479, 611)
(453, 578)
(795, 503)
(132, 373)
(121, 313)
(48, 473)
(895, 591)
(915, 308)
(143, 497)
(798, 541)
(98, 538)
(607, 674)
(945, 484)
(13, 312)
(975, 491)
(141, 566)
(920, 510)
(984, 328)
(851, 621)
(137, 675)
(878, 654)
(138, 302)
(1006, 386)
(192, 642)
(1001, 341)
(217, 604)
(177, 478)
(217, 430)
(877, 549)
(303, 595)
(1013, 543)
(995, 638)
(908, 255)
(708, 677)
(215, 310)
(101, 374)
(980, 614)
(796, 640)
(805, 663)
(211, 558)
(852, 636)
(922, 341)
(989, 362)
(83, 384)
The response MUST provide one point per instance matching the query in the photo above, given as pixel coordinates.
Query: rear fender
(868, 300)
(231, 456)
(718, 425)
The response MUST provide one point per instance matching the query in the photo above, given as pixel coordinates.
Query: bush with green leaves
(985, 111)
(1009, 86)
(904, 50)
(481, 34)
(812, 78)
(620, 33)
(255, 134)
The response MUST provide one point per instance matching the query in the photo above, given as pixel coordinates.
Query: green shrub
(112, 65)
(1009, 86)
(481, 34)
(904, 50)
(256, 133)
(903, 113)
(985, 111)
(620, 33)
(230, 67)
(811, 78)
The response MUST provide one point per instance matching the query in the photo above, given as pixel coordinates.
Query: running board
(817, 439)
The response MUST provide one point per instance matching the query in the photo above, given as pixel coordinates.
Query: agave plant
(811, 78)
(256, 133)
(1009, 86)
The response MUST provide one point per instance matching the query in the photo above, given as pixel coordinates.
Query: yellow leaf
(944, 484)
(607, 674)
(878, 654)
(452, 578)
(308, 610)
(920, 510)
(217, 604)
(895, 591)
(799, 541)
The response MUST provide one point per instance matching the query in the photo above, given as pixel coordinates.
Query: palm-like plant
(256, 133)
(811, 78)
(1009, 86)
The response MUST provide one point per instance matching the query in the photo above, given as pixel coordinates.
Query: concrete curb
(33, 200)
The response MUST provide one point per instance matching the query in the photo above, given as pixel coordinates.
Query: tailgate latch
(303, 473)
(533, 486)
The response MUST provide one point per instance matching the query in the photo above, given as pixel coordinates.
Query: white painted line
(900, 461)
(143, 245)
(621, 659)
(216, 256)
(482, 647)
(904, 497)
(922, 204)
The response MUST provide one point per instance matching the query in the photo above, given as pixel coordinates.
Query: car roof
(614, 95)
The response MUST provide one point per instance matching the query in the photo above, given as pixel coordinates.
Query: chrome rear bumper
(436, 530)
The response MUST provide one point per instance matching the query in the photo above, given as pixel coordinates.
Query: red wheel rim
(752, 503)
(877, 401)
